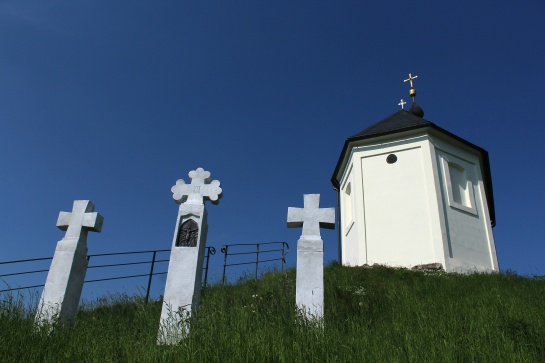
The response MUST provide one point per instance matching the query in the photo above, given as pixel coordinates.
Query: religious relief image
(188, 233)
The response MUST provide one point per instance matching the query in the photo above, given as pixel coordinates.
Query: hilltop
(372, 314)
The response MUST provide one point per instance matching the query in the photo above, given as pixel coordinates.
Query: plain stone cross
(311, 217)
(62, 289)
(80, 220)
(309, 285)
(197, 189)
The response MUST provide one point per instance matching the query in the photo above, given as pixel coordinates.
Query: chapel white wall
(397, 226)
(470, 240)
(352, 251)
(432, 231)
(379, 216)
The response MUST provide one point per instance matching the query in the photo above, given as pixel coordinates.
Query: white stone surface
(62, 290)
(197, 189)
(311, 217)
(309, 286)
(309, 296)
(183, 284)
(408, 213)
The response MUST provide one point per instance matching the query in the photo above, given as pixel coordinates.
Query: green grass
(371, 315)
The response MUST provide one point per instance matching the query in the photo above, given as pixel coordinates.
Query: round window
(391, 159)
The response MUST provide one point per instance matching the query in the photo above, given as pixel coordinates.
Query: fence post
(150, 276)
(283, 256)
(224, 249)
(209, 251)
(256, 259)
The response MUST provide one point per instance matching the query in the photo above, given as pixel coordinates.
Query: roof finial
(412, 91)
(402, 104)
(415, 109)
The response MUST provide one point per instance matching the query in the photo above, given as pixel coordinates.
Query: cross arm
(213, 191)
(295, 217)
(64, 220)
(93, 221)
(327, 219)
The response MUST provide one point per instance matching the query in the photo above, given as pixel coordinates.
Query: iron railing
(210, 251)
(24, 272)
(278, 247)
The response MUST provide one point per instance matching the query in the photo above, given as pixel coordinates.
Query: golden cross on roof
(410, 79)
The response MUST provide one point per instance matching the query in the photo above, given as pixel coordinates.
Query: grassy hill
(371, 315)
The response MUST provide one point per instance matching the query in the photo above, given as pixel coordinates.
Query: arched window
(188, 234)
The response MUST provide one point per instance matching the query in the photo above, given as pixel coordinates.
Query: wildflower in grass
(360, 291)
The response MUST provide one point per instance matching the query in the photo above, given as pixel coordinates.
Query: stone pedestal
(309, 295)
(183, 285)
(62, 290)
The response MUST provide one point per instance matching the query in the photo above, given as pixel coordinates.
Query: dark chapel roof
(403, 121)
(399, 121)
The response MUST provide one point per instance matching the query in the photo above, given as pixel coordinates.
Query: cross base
(310, 278)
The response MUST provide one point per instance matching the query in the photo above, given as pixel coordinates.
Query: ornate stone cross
(80, 220)
(184, 277)
(198, 189)
(311, 216)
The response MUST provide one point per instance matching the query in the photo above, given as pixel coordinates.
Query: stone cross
(80, 220)
(197, 189)
(309, 287)
(62, 289)
(311, 217)
(184, 276)
(402, 104)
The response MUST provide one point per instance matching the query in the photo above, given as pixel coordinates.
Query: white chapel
(411, 193)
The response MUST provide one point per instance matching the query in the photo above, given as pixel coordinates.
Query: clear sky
(113, 101)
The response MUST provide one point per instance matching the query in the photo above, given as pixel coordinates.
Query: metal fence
(253, 250)
(248, 254)
(24, 272)
(210, 251)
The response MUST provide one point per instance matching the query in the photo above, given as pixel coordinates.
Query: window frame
(348, 198)
(466, 169)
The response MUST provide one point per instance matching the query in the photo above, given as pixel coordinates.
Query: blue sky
(113, 101)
